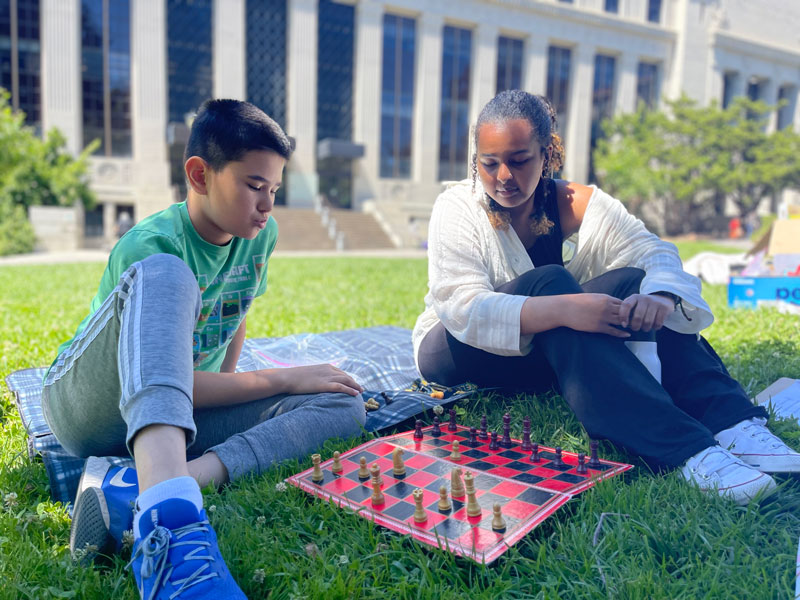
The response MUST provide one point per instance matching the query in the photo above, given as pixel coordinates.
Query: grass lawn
(663, 539)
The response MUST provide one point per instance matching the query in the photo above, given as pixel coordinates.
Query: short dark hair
(225, 130)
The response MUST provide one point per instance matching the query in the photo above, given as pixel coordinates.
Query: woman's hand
(645, 312)
(316, 379)
(596, 313)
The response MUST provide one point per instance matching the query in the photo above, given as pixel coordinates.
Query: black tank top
(546, 250)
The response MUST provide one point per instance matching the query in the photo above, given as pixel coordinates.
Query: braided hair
(517, 104)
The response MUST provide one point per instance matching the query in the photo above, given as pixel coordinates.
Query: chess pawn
(535, 453)
(444, 500)
(456, 484)
(377, 494)
(317, 475)
(436, 431)
(455, 454)
(494, 445)
(363, 471)
(398, 468)
(473, 508)
(420, 516)
(337, 467)
(418, 430)
(498, 522)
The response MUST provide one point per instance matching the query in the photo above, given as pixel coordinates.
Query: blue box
(752, 292)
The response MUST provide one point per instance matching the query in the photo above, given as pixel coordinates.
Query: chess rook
(420, 516)
(559, 459)
(594, 461)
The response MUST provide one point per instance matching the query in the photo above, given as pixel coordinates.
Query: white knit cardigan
(468, 259)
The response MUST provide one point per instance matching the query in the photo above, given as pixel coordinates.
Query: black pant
(610, 391)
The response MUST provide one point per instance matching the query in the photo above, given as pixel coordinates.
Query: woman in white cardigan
(502, 310)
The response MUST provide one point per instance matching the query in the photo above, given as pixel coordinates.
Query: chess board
(527, 491)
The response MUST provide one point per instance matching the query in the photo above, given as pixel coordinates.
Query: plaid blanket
(379, 358)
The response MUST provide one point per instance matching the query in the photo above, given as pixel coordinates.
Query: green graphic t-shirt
(229, 276)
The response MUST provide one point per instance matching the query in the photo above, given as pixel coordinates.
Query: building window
(189, 50)
(654, 11)
(647, 84)
(106, 75)
(454, 131)
(612, 6)
(397, 96)
(509, 64)
(558, 72)
(729, 81)
(755, 88)
(20, 56)
(602, 101)
(335, 70)
(788, 97)
(266, 24)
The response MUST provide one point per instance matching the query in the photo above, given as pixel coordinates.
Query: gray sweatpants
(131, 367)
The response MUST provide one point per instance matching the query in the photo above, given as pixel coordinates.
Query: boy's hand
(646, 312)
(315, 379)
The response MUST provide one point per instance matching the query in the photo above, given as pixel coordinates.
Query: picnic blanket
(379, 358)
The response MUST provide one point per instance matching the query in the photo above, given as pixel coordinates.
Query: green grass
(688, 248)
(665, 540)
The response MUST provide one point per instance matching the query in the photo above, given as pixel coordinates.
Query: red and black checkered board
(528, 492)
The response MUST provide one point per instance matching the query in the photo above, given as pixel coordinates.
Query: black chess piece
(526, 434)
(594, 461)
(558, 461)
(418, 430)
(535, 453)
(436, 431)
(473, 436)
(506, 441)
(484, 432)
(581, 468)
(451, 426)
(493, 445)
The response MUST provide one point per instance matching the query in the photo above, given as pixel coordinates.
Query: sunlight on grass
(669, 541)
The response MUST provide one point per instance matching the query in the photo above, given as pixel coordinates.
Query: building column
(61, 70)
(367, 99)
(149, 106)
(230, 55)
(483, 82)
(625, 101)
(427, 99)
(535, 64)
(579, 117)
(301, 102)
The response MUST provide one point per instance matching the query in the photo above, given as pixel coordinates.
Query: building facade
(378, 95)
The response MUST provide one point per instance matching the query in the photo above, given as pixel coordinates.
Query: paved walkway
(90, 256)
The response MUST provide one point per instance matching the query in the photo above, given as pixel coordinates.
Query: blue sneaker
(103, 509)
(176, 554)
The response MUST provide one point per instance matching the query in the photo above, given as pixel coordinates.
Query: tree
(34, 172)
(689, 159)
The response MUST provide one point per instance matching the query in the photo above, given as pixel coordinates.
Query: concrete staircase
(361, 231)
(301, 229)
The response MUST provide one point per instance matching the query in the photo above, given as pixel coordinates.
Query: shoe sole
(755, 461)
(90, 532)
(745, 498)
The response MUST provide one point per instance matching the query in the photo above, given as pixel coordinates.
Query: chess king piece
(363, 471)
(337, 467)
(317, 475)
(455, 454)
(398, 468)
(498, 522)
(444, 500)
(456, 484)
(420, 516)
(473, 508)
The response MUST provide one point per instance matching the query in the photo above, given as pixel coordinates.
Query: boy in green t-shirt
(150, 371)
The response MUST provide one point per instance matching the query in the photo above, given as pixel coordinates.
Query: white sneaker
(757, 446)
(717, 469)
